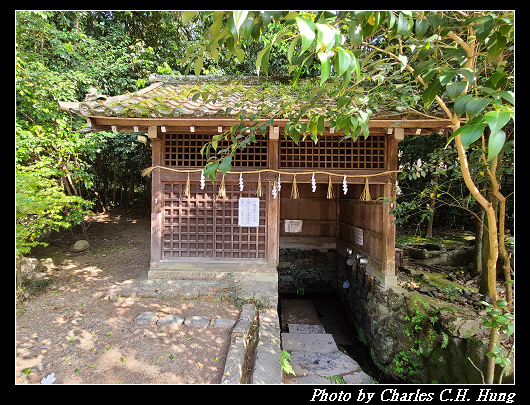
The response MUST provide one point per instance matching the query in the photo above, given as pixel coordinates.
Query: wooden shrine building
(259, 209)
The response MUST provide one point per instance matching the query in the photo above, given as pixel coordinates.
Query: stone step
(188, 289)
(214, 270)
(295, 311)
(302, 328)
(324, 364)
(314, 343)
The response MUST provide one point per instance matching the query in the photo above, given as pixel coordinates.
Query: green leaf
(342, 101)
(239, 19)
(240, 54)
(313, 126)
(226, 164)
(355, 33)
(307, 30)
(495, 143)
(325, 36)
(291, 48)
(197, 66)
(321, 122)
(476, 105)
(262, 59)
(496, 45)
(469, 133)
(187, 16)
(484, 27)
(355, 63)
(430, 92)
(454, 89)
(421, 27)
(506, 95)
(325, 65)
(343, 59)
(497, 120)
(460, 104)
(402, 25)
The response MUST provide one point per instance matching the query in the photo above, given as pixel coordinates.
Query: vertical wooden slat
(389, 229)
(273, 208)
(156, 204)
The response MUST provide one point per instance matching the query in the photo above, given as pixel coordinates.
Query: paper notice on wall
(293, 225)
(248, 211)
(358, 236)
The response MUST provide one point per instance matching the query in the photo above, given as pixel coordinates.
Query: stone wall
(307, 271)
(414, 337)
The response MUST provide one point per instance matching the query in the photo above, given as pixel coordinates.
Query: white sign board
(248, 211)
(358, 236)
(293, 225)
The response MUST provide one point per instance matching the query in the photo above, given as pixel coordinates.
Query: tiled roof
(206, 96)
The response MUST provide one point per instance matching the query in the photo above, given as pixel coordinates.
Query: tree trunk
(479, 235)
(131, 185)
(432, 203)
(115, 183)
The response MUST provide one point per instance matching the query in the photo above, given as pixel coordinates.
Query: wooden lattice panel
(329, 153)
(184, 150)
(206, 225)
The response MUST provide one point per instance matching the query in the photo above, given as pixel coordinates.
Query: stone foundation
(414, 337)
(307, 271)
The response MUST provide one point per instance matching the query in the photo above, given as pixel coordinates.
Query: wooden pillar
(388, 262)
(273, 211)
(157, 159)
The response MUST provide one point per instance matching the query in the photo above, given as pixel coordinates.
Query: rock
(27, 265)
(461, 300)
(172, 321)
(145, 319)
(196, 321)
(80, 246)
(325, 365)
(222, 323)
(359, 377)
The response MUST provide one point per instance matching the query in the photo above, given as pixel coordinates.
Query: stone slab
(267, 364)
(315, 343)
(325, 364)
(196, 321)
(172, 321)
(222, 323)
(146, 319)
(359, 377)
(301, 328)
(246, 318)
(234, 361)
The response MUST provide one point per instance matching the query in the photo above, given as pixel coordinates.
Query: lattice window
(184, 150)
(330, 153)
(206, 225)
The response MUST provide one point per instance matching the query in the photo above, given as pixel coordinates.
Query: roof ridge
(187, 79)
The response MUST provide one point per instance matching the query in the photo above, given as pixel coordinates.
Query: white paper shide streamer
(344, 185)
(202, 180)
(313, 183)
(274, 190)
(241, 182)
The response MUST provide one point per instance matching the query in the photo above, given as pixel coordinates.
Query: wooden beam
(214, 122)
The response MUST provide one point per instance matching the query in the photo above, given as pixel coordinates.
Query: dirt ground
(72, 331)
